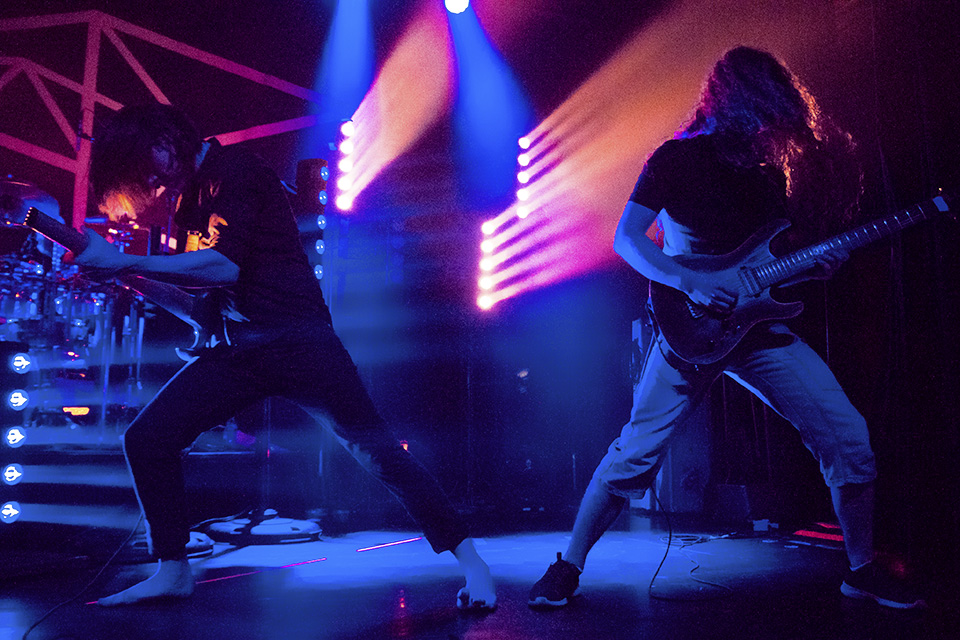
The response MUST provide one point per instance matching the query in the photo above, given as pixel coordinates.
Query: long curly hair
(121, 159)
(760, 113)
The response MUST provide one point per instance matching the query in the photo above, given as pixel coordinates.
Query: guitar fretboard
(784, 268)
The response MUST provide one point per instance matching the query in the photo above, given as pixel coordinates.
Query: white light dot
(456, 6)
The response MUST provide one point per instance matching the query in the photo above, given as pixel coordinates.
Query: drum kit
(74, 329)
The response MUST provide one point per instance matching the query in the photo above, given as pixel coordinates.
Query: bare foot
(173, 579)
(479, 594)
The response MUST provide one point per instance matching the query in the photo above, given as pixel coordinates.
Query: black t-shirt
(712, 205)
(240, 208)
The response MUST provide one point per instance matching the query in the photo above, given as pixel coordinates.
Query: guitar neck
(795, 263)
(168, 296)
(75, 241)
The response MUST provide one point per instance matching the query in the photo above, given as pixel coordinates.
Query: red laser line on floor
(390, 544)
(236, 575)
(248, 573)
(297, 564)
(817, 534)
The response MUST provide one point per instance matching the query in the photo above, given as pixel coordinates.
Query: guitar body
(701, 336)
(205, 320)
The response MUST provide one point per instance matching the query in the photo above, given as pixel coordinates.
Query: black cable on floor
(89, 584)
(686, 542)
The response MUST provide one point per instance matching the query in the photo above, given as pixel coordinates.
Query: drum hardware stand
(263, 525)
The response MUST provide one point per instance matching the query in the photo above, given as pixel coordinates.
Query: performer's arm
(204, 268)
(641, 253)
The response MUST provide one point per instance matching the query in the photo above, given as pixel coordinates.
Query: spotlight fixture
(10, 512)
(456, 6)
(14, 437)
(18, 399)
(21, 362)
(12, 474)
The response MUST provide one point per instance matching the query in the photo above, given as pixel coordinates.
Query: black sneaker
(871, 582)
(560, 583)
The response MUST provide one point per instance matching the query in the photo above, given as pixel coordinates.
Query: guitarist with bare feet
(282, 340)
(756, 149)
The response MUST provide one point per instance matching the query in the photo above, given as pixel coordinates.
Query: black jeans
(307, 365)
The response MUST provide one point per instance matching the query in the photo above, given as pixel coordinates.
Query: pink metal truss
(100, 26)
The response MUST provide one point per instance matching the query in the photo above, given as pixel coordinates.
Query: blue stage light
(21, 362)
(10, 512)
(18, 399)
(318, 271)
(325, 172)
(320, 246)
(322, 196)
(322, 221)
(456, 6)
(12, 474)
(14, 437)
(491, 112)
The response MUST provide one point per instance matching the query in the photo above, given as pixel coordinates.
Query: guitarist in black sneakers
(282, 342)
(756, 149)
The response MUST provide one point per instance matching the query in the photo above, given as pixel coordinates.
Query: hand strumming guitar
(705, 289)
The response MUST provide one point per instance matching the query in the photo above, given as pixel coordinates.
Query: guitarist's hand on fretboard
(827, 264)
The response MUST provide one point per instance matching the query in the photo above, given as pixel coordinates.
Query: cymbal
(17, 196)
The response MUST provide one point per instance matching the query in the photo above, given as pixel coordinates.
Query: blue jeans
(772, 363)
(307, 365)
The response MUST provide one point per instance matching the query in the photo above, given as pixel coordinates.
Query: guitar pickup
(748, 278)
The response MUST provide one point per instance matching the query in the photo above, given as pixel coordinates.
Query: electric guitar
(207, 323)
(700, 335)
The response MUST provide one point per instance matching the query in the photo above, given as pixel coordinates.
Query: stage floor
(747, 586)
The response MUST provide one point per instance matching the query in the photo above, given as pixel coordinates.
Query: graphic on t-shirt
(213, 233)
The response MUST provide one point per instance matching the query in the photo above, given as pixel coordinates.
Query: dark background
(514, 408)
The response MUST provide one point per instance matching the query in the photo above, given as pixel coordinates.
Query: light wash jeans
(771, 362)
